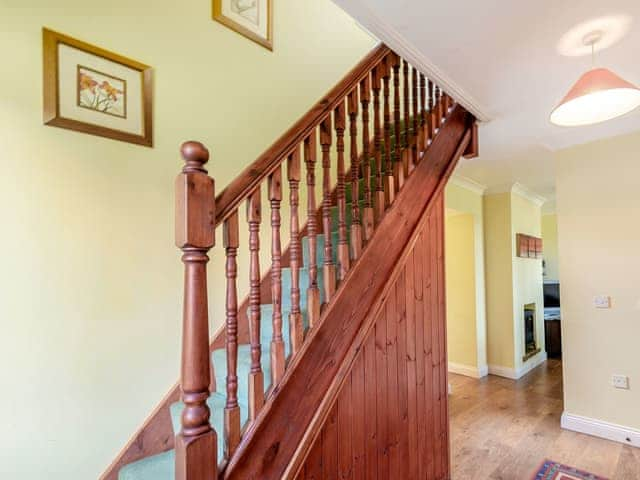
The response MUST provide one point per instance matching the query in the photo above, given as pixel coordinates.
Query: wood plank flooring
(503, 429)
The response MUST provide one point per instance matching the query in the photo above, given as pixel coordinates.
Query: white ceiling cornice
(518, 189)
(390, 36)
(468, 184)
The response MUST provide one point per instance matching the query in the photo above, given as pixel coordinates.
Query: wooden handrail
(251, 177)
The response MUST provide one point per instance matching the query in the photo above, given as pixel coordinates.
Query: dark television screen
(551, 295)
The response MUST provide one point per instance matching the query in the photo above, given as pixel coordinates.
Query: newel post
(196, 444)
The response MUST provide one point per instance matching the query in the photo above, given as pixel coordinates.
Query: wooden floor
(503, 429)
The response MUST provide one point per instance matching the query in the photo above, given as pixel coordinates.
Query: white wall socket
(602, 301)
(620, 381)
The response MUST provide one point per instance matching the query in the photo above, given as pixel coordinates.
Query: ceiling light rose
(598, 95)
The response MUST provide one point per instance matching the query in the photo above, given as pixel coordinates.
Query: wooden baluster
(367, 212)
(416, 115)
(398, 170)
(232, 410)
(446, 103)
(196, 444)
(423, 113)
(328, 267)
(356, 224)
(296, 331)
(256, 376)
(313, 292)
(389, 184)
(277, 342)
(377, 135)
(438, 101)
(431, 117)
(343, 243)
(407, 134)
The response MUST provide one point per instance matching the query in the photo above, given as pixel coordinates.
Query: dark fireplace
(530, 346)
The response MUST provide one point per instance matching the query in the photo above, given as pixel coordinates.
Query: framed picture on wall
(92, 90)
(251, 18)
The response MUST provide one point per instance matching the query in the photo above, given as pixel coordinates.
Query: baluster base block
(367, 223)
(231, 430)
(196, 457)
(256, 394)
(356, 240)
(398, 174)
(313, 305)
(378, 206)
(277, 360)
(389, 190)
(296, 331)
(329, 279)
(343, 260)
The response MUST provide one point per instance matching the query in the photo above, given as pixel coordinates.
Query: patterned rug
(550, 470)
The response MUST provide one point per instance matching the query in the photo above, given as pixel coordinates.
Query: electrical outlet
(602, 301)
(620, 381)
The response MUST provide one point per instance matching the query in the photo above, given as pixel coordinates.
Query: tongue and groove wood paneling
(390, 420)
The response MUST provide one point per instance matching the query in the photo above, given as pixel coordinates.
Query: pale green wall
(90, 292)
(550, 245)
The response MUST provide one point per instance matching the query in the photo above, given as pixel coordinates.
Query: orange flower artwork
(102, 92)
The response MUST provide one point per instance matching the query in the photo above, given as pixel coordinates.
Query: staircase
(257, 399)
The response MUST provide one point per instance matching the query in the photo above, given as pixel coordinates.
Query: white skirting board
(599, 428)
(468, 370)
(515, 374)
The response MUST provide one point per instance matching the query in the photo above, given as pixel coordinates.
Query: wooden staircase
(341, 345)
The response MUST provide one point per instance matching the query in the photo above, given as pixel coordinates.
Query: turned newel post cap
(195, 155)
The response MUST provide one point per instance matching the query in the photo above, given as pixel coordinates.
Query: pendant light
(598, 95)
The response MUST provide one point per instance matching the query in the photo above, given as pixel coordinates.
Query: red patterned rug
(550, 470)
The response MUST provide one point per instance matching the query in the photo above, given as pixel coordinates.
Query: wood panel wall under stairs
(390, 420)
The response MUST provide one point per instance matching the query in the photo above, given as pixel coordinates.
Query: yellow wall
(550, 245)
(598, 206)
(527, 275)
(499, 277)
(469, 328)
(461, 289)
(91, 288)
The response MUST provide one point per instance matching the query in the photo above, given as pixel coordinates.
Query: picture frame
(92, 90)
(251, 18)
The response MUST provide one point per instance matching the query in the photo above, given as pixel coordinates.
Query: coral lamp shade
(598, 95)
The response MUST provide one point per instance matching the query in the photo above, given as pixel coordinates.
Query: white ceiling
(501, 57)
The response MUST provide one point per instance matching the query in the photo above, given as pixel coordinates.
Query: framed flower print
(92, 90)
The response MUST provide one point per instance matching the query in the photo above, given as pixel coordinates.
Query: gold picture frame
(251, 18)
(92, 90)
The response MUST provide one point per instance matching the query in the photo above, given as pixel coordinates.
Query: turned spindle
(356, 224)
(296, 332)
(398, 170)
(406, 144)
(328, 267)
(377, 135)
(313, 292)
(431, 117)
(230, 238)
(415, 118)
(389, 184)
(196, 443)
(277, 342)
(343, 244)
(367, 211)
(256, 376)
(423, 113)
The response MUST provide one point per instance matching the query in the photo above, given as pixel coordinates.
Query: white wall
(598, 208)
(91, 283)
